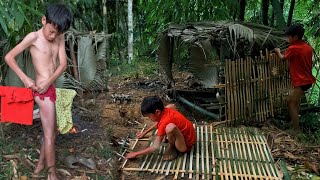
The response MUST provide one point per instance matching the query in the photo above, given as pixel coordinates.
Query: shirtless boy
(169, 122)
(299, 57)
(46, 46)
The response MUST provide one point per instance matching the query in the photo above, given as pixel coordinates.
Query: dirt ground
(104, 120)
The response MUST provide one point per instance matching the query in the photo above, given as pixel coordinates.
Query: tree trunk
(105, 30)
(264, 11)
(281, 24)
(272, 18)
(242, 9)
(130, 32)
(290, 12)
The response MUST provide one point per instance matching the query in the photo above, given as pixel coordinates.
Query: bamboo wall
(256, 89)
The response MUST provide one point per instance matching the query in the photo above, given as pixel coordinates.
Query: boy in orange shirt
(169, 122)
(46, 46)
(299, 58)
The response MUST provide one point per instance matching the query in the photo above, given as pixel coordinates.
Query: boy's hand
(141, 134)
(29, 83)
(277, 50)
(131, 155)
(43, 86)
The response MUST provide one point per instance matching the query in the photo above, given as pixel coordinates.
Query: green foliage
(310, 124)
(140, 66)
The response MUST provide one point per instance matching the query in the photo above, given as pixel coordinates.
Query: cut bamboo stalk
(235, 95)
(202, 152)
(257, 156)
(134, 145)
(207, 153)
(163, 167)
(233, 154)
(231, 109)
(212, 154)
(181, 171)
(158, 158)
(243, 90)
(198, 154)
(274, 170)
(252, 154)
(227, 150)
(264, 88)
(223, 155)
(219, 155)
(263, 156)
(228, 108)
(240, 155)
(270, 86)
(191, 157)
(147, 156)
(184, 163)
(246, 150)
(178, 168)
(168, 168)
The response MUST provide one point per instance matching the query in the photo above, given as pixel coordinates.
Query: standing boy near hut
(46, 45)
(299, 57)
(169, 122)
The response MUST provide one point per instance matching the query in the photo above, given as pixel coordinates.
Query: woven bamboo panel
(256, 88)
(219, 153)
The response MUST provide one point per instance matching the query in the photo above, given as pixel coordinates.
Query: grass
(144, 66)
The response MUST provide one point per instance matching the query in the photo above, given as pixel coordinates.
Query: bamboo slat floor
(219, 153)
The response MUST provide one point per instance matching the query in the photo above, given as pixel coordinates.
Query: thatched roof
(209, 43)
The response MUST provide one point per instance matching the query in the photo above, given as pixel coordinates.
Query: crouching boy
(169, 122)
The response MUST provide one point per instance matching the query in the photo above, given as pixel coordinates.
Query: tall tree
(292, 3)
(264, 11)
(242, 9)
(130, 32)
(281, 24)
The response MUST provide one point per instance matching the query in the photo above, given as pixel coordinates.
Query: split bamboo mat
(219, 153)
(256, 88)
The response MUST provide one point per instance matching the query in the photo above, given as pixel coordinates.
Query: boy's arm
(156, 145)
(43, 86)
(278, 52)
(141, 135)
(10, 59)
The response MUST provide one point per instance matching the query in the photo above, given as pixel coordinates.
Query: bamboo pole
(202, 152)
(207, 153)
(124, 163)
(191, 158)
(198, 155)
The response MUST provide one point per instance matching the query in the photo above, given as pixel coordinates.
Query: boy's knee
(170, 127)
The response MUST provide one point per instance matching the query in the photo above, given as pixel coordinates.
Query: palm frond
(86, 60)
(204, 63)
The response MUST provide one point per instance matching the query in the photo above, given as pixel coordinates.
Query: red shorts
(51, 93)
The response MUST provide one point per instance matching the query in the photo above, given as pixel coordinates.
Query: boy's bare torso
(44, 55)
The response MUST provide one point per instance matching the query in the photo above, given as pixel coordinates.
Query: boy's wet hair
(60, 16)
(295, 30)
(150, 104)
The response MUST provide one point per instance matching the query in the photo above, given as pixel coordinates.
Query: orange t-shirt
(16, 105)
(182, 123)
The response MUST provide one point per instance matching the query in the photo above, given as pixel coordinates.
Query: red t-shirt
(182, 123)
(16, 105)
(299, 56)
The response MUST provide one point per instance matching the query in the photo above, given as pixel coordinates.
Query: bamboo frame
(252, 91)
(219, 153)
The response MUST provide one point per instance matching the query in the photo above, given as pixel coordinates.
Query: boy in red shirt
(299, 57)
(169, 122)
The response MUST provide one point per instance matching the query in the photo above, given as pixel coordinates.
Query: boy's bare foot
(38, 169)
(53, 177)
(170, 153)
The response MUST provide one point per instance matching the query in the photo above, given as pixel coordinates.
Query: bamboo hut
(234, 73)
